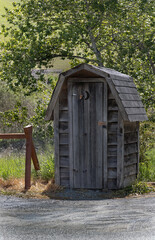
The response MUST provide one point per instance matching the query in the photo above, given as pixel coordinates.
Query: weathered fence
(30, 152)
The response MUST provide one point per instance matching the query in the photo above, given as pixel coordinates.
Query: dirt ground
(44, 190)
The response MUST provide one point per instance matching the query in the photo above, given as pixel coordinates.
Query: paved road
(122, 219)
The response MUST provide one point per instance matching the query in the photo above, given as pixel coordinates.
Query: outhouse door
(86, 134)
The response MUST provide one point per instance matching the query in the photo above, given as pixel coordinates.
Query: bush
(147, 167)
(140, 188)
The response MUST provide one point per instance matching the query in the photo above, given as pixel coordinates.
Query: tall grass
(13, 166)
(147, 168)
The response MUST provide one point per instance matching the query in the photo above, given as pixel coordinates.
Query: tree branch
(93, 42)
(71, 57)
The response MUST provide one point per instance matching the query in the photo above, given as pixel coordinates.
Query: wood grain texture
(135, 111)
(105, 136)
(120, 152)
(99, 134)
(128, 181)
(130, 170)
(137, 117)
(71, 149)
(128, 90)
(132, 104)
(138, 147)
(122, 83)
(86, 80)
(56, 143)
(12, 136)
(129, 97)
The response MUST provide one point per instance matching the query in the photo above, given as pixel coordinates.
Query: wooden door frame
(70, 106)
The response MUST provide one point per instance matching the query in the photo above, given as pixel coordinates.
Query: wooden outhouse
(96, 113)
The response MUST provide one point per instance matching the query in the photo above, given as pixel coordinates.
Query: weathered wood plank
(64, 138)
(65, 182)
(64, 150)
(105, 136)
(112, 184)
(56, 143)
(112, 116)
(138, 117)
(122, 78)
(64, 161)
(93, 135)
(128, 181)
(70, 127)
(127, 90)
(76, 147)
(132, 104)
(130, 170)
(112, 138)
(138, 147)
(114, 108)
(129, 97)
(112, 150)
(131, 159)
(63, 115)
(64, 170)
(112, 173)
(130, 148)
(120, 151)
(86, 79)
(99, 134)
(112, 103)
(117, 98)
(112, 164)
(65, 175)
(111, 96)
(80, 161)
(130, 127)
(63, 127)
(112, 128)
(135, 111)
(130, 137)
(122, 83)
(87, 132)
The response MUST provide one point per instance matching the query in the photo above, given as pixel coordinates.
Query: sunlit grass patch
(13, 166)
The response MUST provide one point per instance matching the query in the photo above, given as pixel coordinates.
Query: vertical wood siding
(63, 138)
(112, 141)
(131, 142)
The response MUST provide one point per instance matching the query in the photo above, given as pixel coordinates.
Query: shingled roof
(121, 86)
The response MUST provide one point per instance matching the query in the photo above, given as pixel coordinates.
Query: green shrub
(147, 167)
(140, 188)
(46, 171)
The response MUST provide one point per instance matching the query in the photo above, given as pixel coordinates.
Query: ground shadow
(84, 194)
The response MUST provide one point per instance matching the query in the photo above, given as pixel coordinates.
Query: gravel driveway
(122, 219)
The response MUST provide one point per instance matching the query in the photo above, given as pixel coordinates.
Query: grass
(13, 166)
(147, 168)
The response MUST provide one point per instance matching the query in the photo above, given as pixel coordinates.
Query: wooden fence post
(28, 135)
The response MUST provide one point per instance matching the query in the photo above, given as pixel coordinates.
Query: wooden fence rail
(30, 152)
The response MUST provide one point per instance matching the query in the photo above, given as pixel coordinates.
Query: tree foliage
(112, 33)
